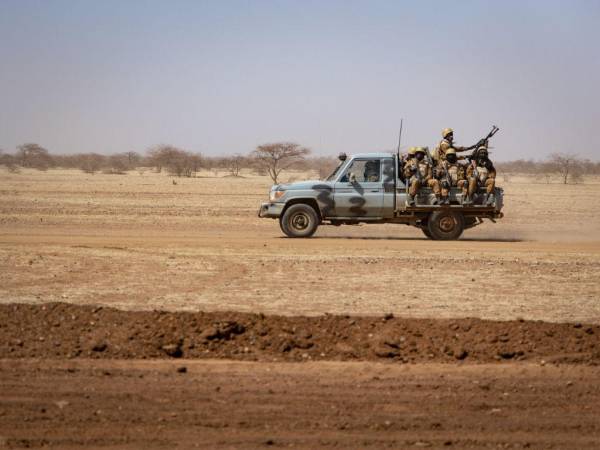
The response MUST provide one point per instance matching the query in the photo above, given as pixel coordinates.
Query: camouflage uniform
(481, 173)
(410, 154)
(452, 173)
(419, 173)
(447, 142)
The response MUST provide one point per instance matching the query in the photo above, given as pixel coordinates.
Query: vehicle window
(364, 170)
(335, 172)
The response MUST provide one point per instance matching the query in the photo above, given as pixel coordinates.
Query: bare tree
(91, 162)
(195, 163)
(9, 161)
(234, 164)
(568, 166)
(177, 161)
(279, 156)
(546, 170)
(34, 156)
(117, 164)
(133, 159)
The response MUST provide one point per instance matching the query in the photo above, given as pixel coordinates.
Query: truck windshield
(335, 172)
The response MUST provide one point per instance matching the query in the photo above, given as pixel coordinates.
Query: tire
(426, 232)
(445, 225)
(299, 221)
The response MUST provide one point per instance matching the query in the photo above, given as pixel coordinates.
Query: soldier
(418, 173)
(371, 172)
(452, 173)
(447, 142)
(481, 173)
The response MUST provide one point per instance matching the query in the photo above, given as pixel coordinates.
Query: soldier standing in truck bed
(481, 173)
(419, 173)
(447, 142)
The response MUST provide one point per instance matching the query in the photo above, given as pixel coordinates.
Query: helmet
(412, 150)
(446, 132)
(482, 150)
(450, 151)
(420, 150)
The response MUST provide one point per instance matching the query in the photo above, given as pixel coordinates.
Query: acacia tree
(278, 156)
(568, 166)
(546, 169)
(34, 156)
(8, 161)
(234, 164)
(177, 161)
(91, 162)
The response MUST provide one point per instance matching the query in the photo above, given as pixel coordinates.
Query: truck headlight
(276, 195)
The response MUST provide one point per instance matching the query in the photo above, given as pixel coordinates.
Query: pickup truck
(351, 195)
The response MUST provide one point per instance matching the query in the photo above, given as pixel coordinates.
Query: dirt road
(150, 404)
(229, 269)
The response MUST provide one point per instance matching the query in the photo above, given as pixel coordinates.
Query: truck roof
(373, 155)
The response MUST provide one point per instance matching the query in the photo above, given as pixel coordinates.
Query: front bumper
(270, 210)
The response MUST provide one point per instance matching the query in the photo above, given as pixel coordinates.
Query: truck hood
(304, 185)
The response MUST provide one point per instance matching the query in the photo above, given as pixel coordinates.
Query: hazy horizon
(224, 77)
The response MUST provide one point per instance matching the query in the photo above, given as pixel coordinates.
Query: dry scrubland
(141, 242)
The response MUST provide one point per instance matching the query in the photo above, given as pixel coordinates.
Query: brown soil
(218, 404)
(62, 330)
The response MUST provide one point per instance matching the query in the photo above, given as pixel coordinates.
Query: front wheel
(299, 221)
(445, 225)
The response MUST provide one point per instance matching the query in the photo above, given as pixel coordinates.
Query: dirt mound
(60, 330)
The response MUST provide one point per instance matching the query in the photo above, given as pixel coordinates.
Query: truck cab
(370, 188)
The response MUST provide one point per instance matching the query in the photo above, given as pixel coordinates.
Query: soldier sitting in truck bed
(452, 174)
(419, 173)
(481, 173)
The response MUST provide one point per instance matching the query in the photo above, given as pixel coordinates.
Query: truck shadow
(417, 238)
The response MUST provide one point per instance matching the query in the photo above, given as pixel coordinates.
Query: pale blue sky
(224, 76)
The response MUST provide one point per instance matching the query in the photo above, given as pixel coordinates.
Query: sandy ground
(141, 242)
(217, 404)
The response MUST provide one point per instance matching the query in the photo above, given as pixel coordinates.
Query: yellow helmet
(446, 132)
(450, 151)
(412, 150)
(420, 150)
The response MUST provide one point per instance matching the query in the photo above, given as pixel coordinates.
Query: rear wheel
(299, 221)
(445, 225)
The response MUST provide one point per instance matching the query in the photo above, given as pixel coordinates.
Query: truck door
(360, 189)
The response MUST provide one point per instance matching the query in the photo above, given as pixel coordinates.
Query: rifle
(481, 142)
(475, 172)
(414, 164)
(448, 179)
(429, 157)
